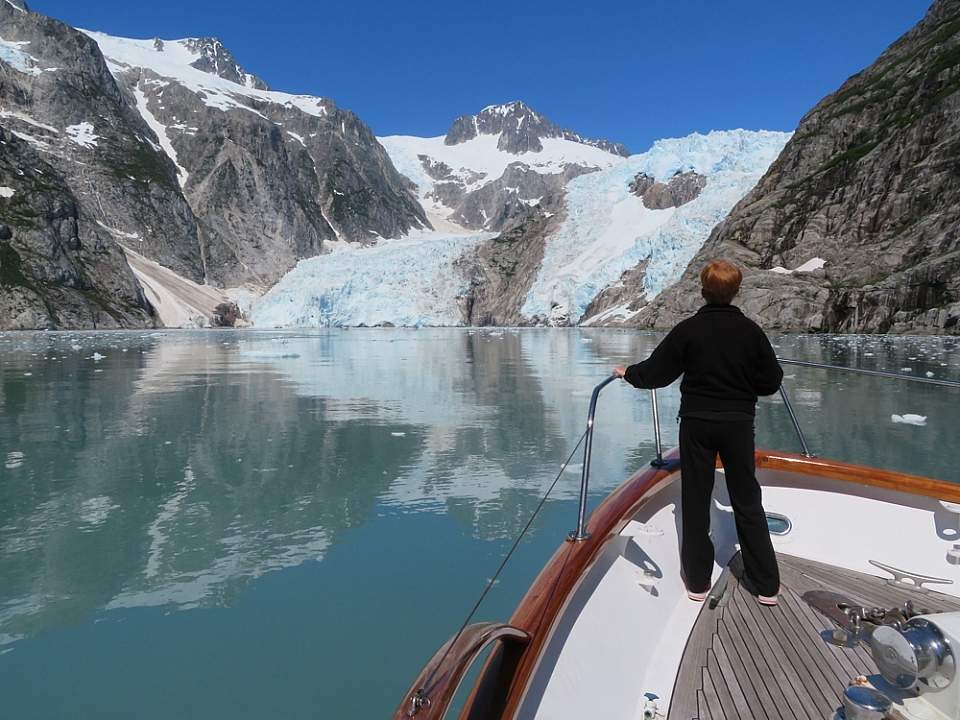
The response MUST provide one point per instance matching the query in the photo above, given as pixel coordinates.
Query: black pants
(700, 443)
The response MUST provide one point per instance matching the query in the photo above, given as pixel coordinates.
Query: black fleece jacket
(726, 361)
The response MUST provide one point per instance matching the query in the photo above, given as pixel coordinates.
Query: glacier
(608, 230)
(411, 282)
(415, 281)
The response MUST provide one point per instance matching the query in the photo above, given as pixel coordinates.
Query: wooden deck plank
(723, 692)
(810, 687)
(745, 678)
(756, 669)
(857, 661)
(690, 676)
(732, 680)
(703, 708)
(820, 684)
(710, 692)
(747, 661)
(777, 665)
(840, 665)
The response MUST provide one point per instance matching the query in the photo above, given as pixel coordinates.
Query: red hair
(721, 282)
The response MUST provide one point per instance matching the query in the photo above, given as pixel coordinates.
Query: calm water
(286, 525)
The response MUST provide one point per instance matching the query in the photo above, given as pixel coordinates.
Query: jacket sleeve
(769, 374)
(664, 365)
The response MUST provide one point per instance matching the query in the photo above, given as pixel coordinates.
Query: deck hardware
(856, 623)
(953, 555)
(875, 373)
(718, 593)
(918, 656)
(658, 461)
(864, 703)
(796, 423)
(580, 533)
(910, 580)
(778, 524)
(418, 701)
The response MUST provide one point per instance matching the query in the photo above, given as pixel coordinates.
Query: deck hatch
(778, 524)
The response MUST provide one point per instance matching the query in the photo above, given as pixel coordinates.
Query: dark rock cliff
(869, 183)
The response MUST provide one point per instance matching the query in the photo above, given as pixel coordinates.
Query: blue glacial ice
(608, 230)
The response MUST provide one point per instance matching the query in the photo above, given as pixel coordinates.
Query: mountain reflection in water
(174, 469)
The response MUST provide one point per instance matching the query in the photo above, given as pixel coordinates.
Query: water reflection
(174, 469)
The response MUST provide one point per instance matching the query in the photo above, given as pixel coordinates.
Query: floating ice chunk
(398, 434)
(265, 355)
(14, 460)
(929, 374)
(96, 510)
(906, 369)
(6, 192)
(97, 357)
(909, 419)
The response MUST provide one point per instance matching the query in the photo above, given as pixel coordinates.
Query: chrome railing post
(796, 423)
(657, 461)
(580, 533)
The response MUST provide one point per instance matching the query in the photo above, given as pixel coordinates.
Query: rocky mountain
(519, 129)
(171, 150)
(854, 228)
(76, 164)
(490, 167)
(214, 58)
(270, 176)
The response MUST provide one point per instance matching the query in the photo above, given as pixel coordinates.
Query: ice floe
(909, 419)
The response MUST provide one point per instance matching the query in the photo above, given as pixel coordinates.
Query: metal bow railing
(580, 533)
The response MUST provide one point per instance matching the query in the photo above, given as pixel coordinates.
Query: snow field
(174, 62)
(82, 134)
(481, 156)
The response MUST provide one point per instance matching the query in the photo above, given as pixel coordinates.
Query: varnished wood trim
(441, 677)
(859, 474)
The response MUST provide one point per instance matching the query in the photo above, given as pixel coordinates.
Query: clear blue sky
(630, 71)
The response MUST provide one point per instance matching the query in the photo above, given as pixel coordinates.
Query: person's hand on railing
(619, 371)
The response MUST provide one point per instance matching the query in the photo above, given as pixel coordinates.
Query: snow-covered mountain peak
(214, 58)
(202, 65)
(520, 129)
(17, 5)
(514, 108)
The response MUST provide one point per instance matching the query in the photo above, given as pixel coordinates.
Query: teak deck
(747, 661)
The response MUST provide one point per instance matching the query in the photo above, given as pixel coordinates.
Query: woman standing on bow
(726, 361)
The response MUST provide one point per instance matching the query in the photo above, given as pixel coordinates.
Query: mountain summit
(214, 58)
(521, 129)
